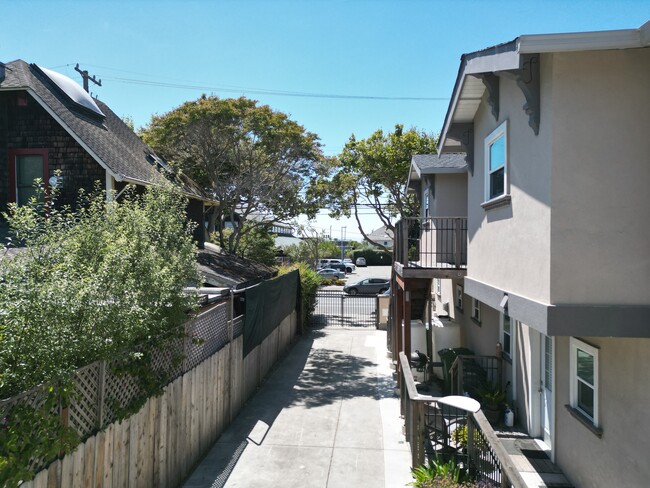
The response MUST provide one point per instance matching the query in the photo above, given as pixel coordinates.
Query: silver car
(369, 286)
(329, 273)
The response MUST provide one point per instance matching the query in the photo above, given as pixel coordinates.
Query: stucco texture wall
(450, 195)
(620, 457)
(509, 246)
(601, 177)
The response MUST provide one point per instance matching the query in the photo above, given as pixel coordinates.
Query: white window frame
(476, 310)
(501, 131)
(576, 344)
(458, 299)
(438, 287)
(502, 333)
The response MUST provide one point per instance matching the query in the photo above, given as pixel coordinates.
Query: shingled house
(48, 123)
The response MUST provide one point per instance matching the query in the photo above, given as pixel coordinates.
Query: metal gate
(333, 308)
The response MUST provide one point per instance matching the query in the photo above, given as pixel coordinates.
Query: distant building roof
(222, 269)
(381, 234)
(95, 127)
(430, 164)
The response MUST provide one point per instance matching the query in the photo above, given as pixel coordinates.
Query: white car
(361, 261)
(349, 266)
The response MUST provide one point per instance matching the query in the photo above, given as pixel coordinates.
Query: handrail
(412, 405)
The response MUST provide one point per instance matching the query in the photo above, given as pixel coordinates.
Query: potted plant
(493, 401)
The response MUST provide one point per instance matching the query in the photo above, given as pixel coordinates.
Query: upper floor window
(476, 310)
(584, 379)
(496, 162)
(426, 202)
(25, 166)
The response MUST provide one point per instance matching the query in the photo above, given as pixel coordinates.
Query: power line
(185, 85)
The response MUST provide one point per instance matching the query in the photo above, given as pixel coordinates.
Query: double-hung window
(584, 379)
(459, 297)
(496, 163)
(476, 310)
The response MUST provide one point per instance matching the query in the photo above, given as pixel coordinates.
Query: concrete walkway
(326, 417)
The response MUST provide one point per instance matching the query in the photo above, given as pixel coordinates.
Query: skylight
(72, 90)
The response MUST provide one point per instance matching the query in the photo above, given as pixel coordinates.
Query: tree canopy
(371, 174)
(255, 161)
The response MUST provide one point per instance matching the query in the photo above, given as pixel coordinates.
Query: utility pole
(84, 74)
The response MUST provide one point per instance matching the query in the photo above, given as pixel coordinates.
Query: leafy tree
(329, 249)
(252, 159)
(257, 244)
(371, 174)
(90, 283)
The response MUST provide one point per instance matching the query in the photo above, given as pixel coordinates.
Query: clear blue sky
(396, 48)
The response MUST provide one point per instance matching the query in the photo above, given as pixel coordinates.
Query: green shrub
(310, 280)
(373, 257)
(90, 283)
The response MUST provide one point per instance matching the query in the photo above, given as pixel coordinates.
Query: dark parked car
(369, 286)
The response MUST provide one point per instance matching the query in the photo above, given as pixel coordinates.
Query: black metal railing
(433, 242)
(439, 432)
(468, 374)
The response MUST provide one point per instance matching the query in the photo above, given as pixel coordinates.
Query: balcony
(432, 247)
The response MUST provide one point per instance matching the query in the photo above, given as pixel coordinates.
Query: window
(25, 166)
(459, 298)
(584, 379)
(496, 163)
(438, 287)
(476, 310)
(426, 202)
(506, 336)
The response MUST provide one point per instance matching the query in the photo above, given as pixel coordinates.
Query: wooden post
(407, 321)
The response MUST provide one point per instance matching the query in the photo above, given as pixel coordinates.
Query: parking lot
(363, 273)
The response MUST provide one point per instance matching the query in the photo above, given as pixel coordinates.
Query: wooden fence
(160, 445)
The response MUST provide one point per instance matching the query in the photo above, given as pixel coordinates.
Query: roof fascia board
(444, 171)
(73, 134)
(585, 41)
(475, 64)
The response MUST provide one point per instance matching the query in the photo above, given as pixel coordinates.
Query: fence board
(107, 478)
(67, 465)
(78, 467)
(89, 462)
(54, 474)
(40, 481)
(158, 445)
(100, 447)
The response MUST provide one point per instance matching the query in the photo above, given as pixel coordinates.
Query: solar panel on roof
(72, 90)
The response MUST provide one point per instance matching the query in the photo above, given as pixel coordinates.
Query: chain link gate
(333, 308)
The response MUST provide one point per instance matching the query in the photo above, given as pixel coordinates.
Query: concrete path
(325, 418)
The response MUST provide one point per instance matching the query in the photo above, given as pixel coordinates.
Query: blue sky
(376, 48)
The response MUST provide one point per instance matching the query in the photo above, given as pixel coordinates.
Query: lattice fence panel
(206, 334)
(83, 407)
(169, 359)
(238, 326)
(119, 392)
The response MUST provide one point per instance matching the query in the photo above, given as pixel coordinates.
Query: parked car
(329, 273)
(361, 261)
(349, 266)
(325, 263)
(369, 286)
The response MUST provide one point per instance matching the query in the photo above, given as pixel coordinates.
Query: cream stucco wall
(509, 247)
(600, 237)
(620, 457)
(449, 195)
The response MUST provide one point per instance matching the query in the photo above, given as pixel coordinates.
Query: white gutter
(585, 41)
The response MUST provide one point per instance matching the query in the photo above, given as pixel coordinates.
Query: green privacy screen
(267, 304)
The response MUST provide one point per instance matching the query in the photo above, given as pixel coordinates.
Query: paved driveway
(326, 417)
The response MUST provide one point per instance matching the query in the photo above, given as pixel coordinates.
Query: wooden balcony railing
(434, 242)
(437, 431)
